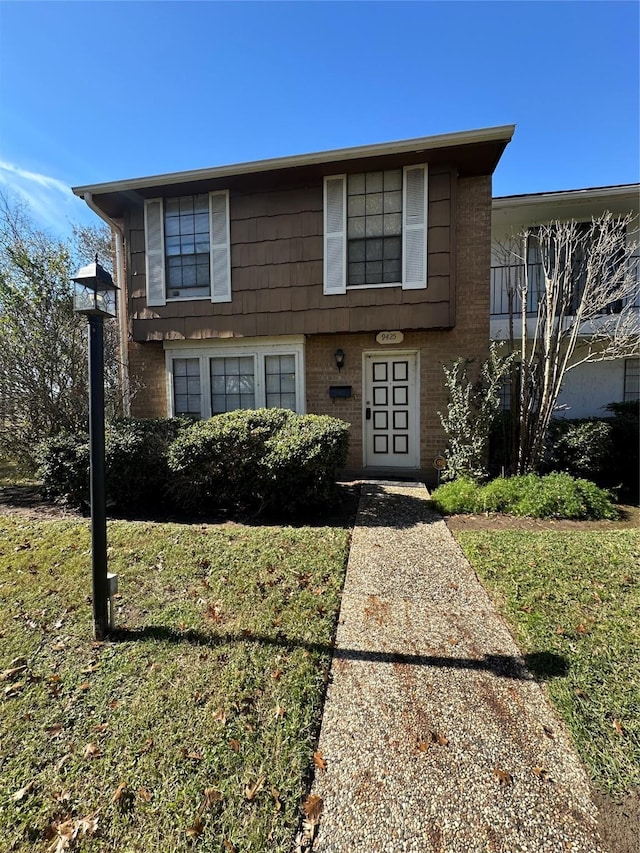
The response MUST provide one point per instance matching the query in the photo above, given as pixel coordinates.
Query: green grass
(215, 681)
(573, 603)
(11, 475)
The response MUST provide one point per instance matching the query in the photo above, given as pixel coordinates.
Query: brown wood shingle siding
(277, 269)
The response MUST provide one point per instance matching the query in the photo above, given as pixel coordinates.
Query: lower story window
(631, 379)
(232, 383)
(206, 383)
(186, 387)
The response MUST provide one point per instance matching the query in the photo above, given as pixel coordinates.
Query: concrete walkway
(435, 736)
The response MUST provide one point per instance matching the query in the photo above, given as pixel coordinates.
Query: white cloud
(51, 202)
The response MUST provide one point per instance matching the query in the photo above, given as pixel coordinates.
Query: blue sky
(98, 91)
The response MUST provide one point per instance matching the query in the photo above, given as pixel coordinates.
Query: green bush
(552, 496)
(302, 462)
(254, 460)
(580, 447)
(63, 467)
(136, 472)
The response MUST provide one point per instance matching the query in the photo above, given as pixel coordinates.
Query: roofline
(467, 137)
(585, 194)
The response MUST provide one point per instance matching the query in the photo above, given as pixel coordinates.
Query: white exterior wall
(588, 388)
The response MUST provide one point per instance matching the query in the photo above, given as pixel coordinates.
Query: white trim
(220, 286)
(502, 133)
(339, 240)
(419, 228)
(228, 348)
(385, 352)
(630, 191)
(156, 285)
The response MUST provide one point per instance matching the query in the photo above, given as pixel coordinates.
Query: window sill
(206, 298)
(373, 286)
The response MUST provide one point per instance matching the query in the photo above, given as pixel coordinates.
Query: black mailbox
(338, 392)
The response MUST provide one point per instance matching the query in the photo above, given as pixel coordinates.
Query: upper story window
(186, 242)
(188, 255)
(375, 229)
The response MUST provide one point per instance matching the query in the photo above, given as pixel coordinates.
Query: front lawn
(573, 603)
(197, 723)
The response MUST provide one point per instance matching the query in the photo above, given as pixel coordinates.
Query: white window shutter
(414, 228)
(154, 251)
(335, 235)
(220, 247)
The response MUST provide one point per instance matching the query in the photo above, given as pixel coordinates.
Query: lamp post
(95, 296)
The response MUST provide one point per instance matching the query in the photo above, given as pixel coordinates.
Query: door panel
(390, 427)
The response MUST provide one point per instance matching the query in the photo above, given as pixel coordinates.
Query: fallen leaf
(12, 672)
(548, 731)
(440, 739)
(84, 687)
(211, 796)
(195, 831)
(504, 777)
(119, 792)
(58, 647)
(62, 796)
(193, 755)
(252, 788)
(279, 712)
(92, 750)
(55, 730)
(276, 674)
(423, 745)
(582, 629)
(312, 807)
(13, 689)
(234, 744)
(220, 716)
(101, 727)
(146, 746)
(22, 793)
(319, 761)
(63, 760)
(560, 631)
(541, 773)
(144, 794)
(94, 667)
(228, 846)
(617, 725)
(276, 796)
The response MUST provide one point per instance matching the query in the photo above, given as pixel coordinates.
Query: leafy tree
(43, 343)
(572, 290)
(471, 411)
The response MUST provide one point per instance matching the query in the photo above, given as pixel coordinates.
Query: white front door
(391, 424)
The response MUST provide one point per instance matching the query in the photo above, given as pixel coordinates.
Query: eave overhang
(475, 152)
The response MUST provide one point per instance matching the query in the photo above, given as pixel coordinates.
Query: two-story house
(589, 387)
(336, 283)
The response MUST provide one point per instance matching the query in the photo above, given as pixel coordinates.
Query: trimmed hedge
(257, 460)
(553, 496)
(135, 463)
(239, 461)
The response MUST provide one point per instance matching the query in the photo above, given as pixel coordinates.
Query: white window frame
(405, 284)
(220, 286)
(225, 348)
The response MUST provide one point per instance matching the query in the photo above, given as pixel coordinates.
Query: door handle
(367, 413)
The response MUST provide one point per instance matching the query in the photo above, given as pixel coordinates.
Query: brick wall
(468, 339)
(148, 380)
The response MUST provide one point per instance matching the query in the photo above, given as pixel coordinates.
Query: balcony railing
(509, 278)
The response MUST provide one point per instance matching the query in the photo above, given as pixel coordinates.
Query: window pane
(393, 224)
(393, 180)
(373, 181)
(287, 363)
(393, 202)
(232, 383)
(373, 226)
(392, 248)
(273, 382)
(186, 386)
(374, 203)
(374, 250)
(185, 218)
(288, 401)
(356, 227)
(355, 184)
(280, 377)
(356, 205)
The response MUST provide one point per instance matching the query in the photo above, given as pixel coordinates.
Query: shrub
(580, 447)
(553, 496)
(214, 463)
(457, 496)
(253, 460)
(303, 460)
(63, 467)
(135, 464)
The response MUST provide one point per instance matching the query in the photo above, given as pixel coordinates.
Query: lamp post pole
(97, 478)
(95, 296)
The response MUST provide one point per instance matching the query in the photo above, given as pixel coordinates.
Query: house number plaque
(389, 337)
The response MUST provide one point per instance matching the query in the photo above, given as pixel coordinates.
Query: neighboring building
(242, 286)
(589, 387)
